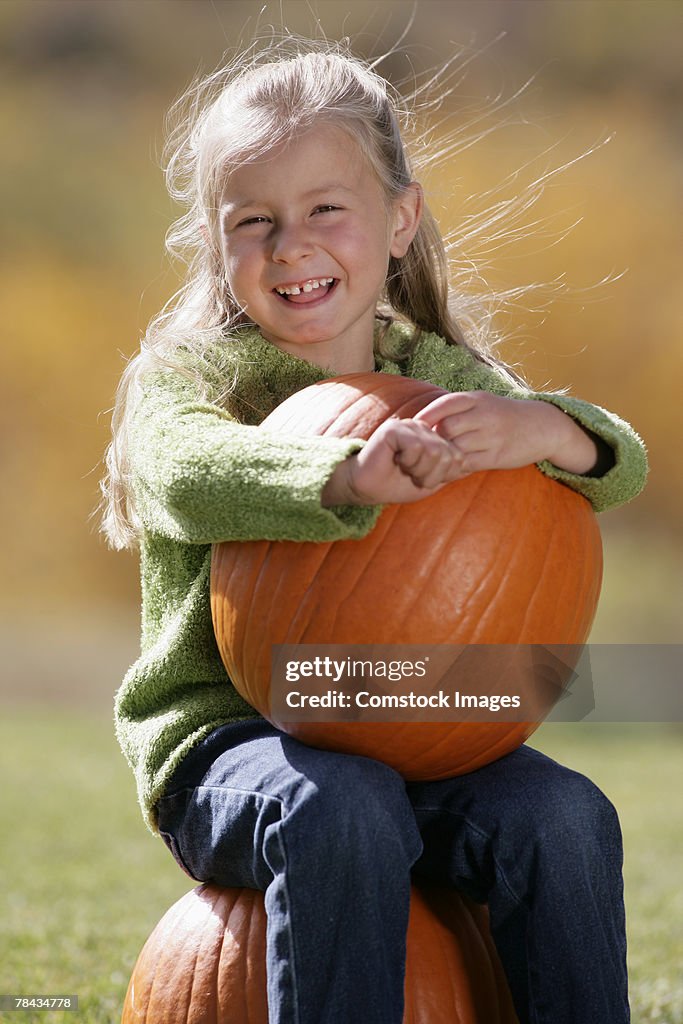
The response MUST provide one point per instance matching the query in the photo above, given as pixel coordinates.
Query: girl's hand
(459, 434)
(403, 461)
(493, 432)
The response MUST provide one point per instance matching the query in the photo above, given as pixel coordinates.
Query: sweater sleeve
(622, 482)
(626, 477)
(199, 476)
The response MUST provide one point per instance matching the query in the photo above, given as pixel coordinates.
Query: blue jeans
(332, 840)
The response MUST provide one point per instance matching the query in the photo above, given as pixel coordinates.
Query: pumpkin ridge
(284, 632)
(246, 914)
(256, 974)
(185, 910)
(255, 608)
(300, 622)
(467, 519)
(474, 596)
(425, 580)
(576, 529)
(463, 998)
(587, 538)
(218, 957)
(143, 998)
(209, 949)
(573, 539)
(428, 747)
(500, 573)
(578, 625)
(474, 948)
(447, 544)
(220, 604)
(497, 745)
(538, 586)
(251, 986)
(435, 553)
(591, 580)
(564, 537)
(256, 578)
(389, 515)
(501, 992)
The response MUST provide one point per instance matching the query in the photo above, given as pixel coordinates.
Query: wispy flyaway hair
(251, 104)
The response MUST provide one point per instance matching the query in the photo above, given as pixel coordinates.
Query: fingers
(402, 461)
(460, 430)
(426, 457)
(451, 406)
(461, 416)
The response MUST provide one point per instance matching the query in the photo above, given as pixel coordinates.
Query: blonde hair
(264, 97)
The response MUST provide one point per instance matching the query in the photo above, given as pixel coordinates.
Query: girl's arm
(199, 476)
(495, 432)
(491, 423)
(620, 471)
(406, 460)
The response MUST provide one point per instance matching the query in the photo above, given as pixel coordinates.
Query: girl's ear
(206, 234)
(406, 221)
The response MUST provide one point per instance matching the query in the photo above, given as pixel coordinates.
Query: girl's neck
(329, 357)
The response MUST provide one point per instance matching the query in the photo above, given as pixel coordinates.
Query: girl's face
(306, 239)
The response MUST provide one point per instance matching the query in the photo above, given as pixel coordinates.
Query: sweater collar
(266, 376)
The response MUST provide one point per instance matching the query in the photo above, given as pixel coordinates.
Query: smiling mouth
(308, 291)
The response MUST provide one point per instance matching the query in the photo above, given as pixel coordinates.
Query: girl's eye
(326, 208)
(253, 220)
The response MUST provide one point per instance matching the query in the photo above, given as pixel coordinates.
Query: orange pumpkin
(508, 557)
(205, 961)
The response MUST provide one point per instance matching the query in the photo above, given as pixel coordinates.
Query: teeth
(308, 286)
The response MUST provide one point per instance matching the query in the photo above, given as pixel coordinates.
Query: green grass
(640, 769)
(84, 883)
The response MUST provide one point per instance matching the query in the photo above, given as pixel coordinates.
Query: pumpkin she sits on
(205, 961)
(504, 557)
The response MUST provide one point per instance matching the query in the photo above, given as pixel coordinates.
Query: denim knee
(358, 820)
(575, 811)
(570, 835)
(343, 814)
(216, 833)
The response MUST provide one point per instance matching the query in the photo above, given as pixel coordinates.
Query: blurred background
(84, 88)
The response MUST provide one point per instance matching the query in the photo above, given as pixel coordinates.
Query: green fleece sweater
(203, 471)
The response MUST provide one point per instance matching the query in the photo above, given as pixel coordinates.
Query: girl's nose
(291, 244)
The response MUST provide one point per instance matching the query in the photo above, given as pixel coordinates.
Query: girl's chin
(304, 336)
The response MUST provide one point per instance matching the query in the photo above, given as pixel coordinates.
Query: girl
(315, 255)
